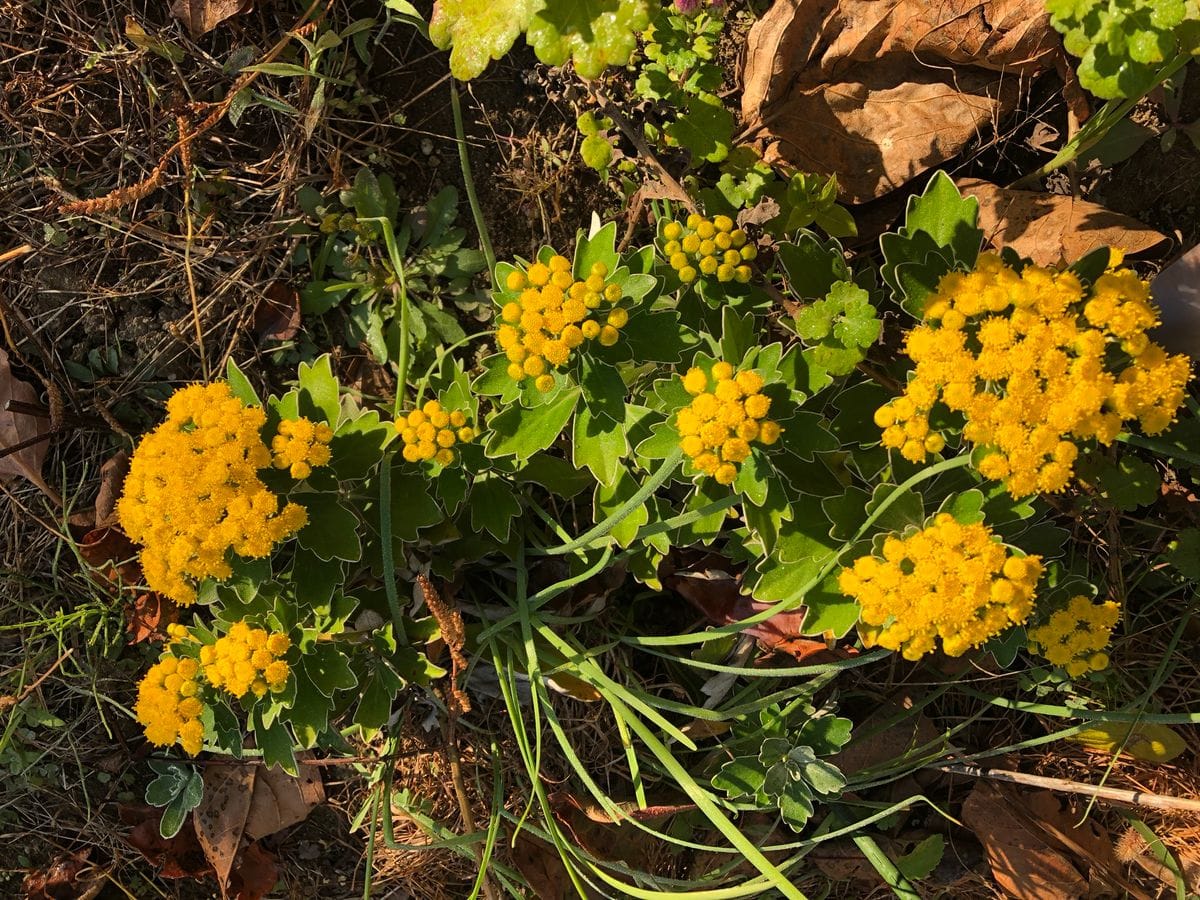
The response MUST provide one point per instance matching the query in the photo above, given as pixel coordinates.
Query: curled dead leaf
(717, 595)
(178, 857)
(202, 16)
(277, 312)
(68, 876)
(879, 92)
(29, 434)
(1052, 229)
(112, 480)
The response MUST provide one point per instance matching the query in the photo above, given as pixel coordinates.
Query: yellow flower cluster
(193, 492)
(300, 446)
(168, 706)
(1035, 363)
(948, 580)
(716, 428)
(1074, 638)
(246, 659)
(430, 433)
(555, 314)
(707, 247)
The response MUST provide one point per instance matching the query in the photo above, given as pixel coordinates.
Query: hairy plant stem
(460, 134)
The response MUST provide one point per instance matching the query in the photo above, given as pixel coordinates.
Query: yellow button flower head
(431, 432)
(948, 581)
(707, 247)
(726, 413)
(554, 315)
(169, 706)
(1075, 638)
(300, 446)
(193, 493)
(246, 659)
(1036, 363)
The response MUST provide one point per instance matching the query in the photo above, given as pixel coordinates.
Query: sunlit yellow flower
(193, 493)
(726, 413)
(709, 247)
(246, 659)
(554, 315)
(168, 706)
(949, 581)
(1036, 363)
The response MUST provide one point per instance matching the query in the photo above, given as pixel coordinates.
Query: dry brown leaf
(1050, 228)
(878, 91)
(540, 866)
(277, 313)
(202, 16)
(147, 617)
(1177, 292)
(178, 857)
(68, 877)
(717, 594)
(1024, 865)
(255, 875)
(245, 802)
(17, 428)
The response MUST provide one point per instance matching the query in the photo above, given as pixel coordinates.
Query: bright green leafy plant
(787, 771)
(417, 303)
(1124, 44)
(591, 33)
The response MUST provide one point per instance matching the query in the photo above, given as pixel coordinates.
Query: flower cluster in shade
(554, 314)
(1074, 638)
(193, 494)
(727, 412)
(168, 704)
(709, 248)
(301, 446)
(431, 432)
(1036, 362)
(950, 581)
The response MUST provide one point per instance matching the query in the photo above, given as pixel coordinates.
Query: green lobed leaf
(332, 529)
(319, 391)
(478, 31)
(493, 506)
(592, 33)
(522, 432)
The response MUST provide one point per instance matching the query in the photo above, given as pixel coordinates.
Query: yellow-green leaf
(1145, 741)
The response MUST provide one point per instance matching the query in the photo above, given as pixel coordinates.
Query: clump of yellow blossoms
(300, 446)
(193, 492)
(1035, 362)
(555, 314)
(246, 659)
(168, 706)
(725, 415)
(1074, 638)
(430, 433)
(948, 580)
(707, 247)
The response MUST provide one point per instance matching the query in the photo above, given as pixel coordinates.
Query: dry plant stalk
(120, 197)
(454, 634)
